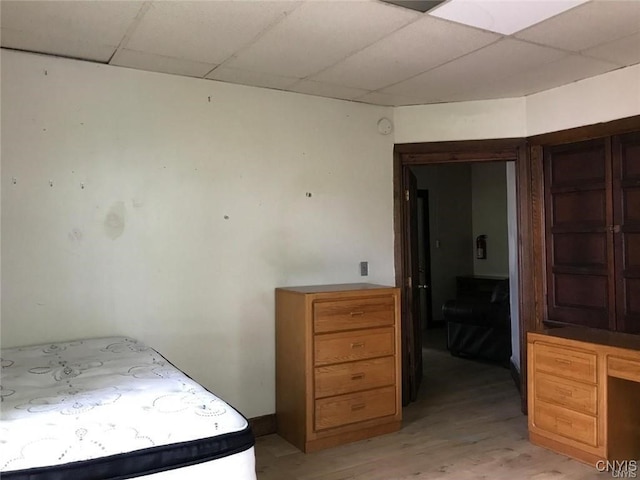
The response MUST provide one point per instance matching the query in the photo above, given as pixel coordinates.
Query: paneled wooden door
(592, 204)
(626, 202)
(412, 330)
(579, 238)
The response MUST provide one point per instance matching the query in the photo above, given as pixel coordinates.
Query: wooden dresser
(584, 393)
(337, 363)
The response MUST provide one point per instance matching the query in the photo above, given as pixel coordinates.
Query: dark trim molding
(605, 129)
(510, 149)
(264, 425)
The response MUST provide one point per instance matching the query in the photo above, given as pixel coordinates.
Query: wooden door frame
(528, 193)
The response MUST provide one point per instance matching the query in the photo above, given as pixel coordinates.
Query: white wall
(489, 217)
(461, 121)
(598, 99)
(603, 98)
(145, 248)
(514, 274)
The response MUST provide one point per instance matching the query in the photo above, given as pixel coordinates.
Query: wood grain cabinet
(584, 393)
(592, 215)
(337, 363)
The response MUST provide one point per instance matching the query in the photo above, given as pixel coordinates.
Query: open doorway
(460, 205)
(456, 154)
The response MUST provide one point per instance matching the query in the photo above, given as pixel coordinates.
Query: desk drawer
(623, 368)
(333, 316)
(567, 423)
(354, 376)
(565, 362)
(354, 407)
(349, 346)
(559, 391)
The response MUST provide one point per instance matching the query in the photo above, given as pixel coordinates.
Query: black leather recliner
(480, 328)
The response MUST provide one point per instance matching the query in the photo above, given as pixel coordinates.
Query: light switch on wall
(364, 269)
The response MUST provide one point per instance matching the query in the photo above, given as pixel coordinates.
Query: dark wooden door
(579, 240)
(626, 230)
(411, 331)
(424, 257)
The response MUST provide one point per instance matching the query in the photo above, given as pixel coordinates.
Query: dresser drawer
(354, 407)
(567, 423)
(575, 395)
(349, 314)
(565, 362)
(350, 346)
(354, 376)
(623, 368)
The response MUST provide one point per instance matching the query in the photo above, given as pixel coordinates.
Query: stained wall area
(168, 209)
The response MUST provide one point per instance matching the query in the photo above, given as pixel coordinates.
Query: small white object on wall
(385, 127)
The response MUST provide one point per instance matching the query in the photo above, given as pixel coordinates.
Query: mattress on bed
(107, 408)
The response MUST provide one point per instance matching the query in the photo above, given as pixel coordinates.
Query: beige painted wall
(193, 209)
(504, 118)
(602, 98)
(489, 214)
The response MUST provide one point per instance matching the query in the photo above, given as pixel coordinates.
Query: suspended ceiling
(362, 50)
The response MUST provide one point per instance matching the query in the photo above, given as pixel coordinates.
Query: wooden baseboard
(264, 425)
(515, 374)
(353, 436)
(570, 451)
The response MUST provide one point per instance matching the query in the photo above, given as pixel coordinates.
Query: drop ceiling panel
(159, 63)
(378, 98)
(588, 25)
(55, 45)
(413, 49)
(319, 34)
(327, 90)
(364, 50)
(625, 51)
(499, 60)
(246, 77)
(569, 69)
(87, 30)
(208, 31)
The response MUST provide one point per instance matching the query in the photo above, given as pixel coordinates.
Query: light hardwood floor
(467, 424)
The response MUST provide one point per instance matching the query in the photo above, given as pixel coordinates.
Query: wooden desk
(584, 393)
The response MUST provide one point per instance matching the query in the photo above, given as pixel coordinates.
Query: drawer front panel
(333, 316)
(349, 346)
(623, 368)
(559, 391)
(573, 364)
(354, 376)
(567, 423)
(354, 407)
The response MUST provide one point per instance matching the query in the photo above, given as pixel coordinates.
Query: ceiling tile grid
(248, 77)
(588, 25)
(88, 30)
(413, 49)
(318, 34)
(362, 50)
(160, 63)
(488, 65)
(209, 31)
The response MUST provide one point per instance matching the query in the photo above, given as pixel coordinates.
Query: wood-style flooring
(466, 424)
